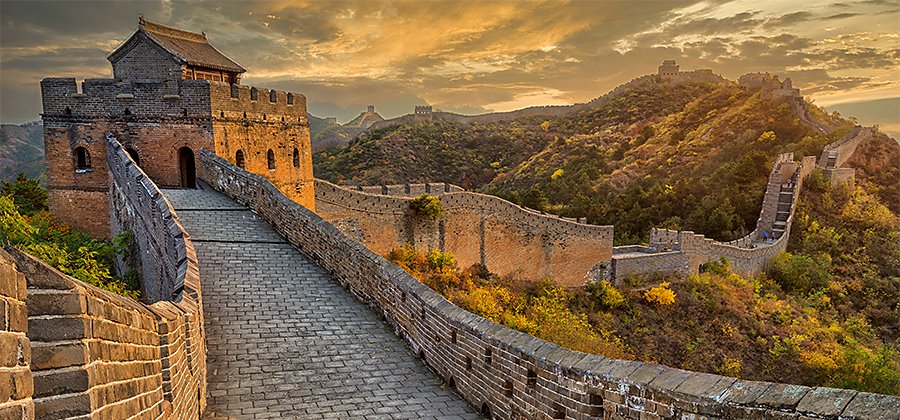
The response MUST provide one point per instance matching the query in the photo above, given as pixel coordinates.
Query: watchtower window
(290, 98)
(82, 160)
(239, 159)
(234, 90)
(296, 158)
(273, 96)
(254, 94)
(270, 158)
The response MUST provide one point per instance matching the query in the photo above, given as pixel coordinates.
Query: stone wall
(16, 381)
(475, 228)
(836, 154)
(103, 356)
(637, 264)
(508, 374)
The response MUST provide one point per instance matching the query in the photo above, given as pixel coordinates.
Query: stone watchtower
(668, 68)
(423, 112)
(172, 94)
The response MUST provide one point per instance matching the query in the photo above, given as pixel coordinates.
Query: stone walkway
(285, 340)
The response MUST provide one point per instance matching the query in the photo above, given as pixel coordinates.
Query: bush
(27, 194)
(606, 294)
(800, 273)
(427, 206)
(660, 295)
(72, 252)
(719, 268)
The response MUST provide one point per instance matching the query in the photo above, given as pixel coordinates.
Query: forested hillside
(692, 155)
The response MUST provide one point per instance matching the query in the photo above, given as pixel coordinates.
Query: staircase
(783, 210)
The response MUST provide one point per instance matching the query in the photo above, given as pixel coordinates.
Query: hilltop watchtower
(172, 94)
(668, 68)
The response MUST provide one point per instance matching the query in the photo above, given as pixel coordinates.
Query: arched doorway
(188, 168)
(134, 156)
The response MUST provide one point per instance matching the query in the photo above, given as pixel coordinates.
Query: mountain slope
(692, 153)
(21, 150)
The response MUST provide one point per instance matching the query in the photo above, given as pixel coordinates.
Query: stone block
(58, 382)
(58, 329)
(58, 355)
(872, 406)
(783, 396)
(18, 316)
(69, 406)
(744, 392)
(825, 402)
(42, 302)
(9, 349)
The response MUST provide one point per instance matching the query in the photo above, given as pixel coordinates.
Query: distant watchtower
(172, 94)
(365, 119)
(423, 112)
(668, 68)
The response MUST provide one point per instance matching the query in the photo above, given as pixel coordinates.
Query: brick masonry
(475, 228)
(509, 374)
(16, 380)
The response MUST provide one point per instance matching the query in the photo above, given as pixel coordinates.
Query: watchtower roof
(188, 47)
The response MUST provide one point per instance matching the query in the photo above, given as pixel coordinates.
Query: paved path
(285, 340)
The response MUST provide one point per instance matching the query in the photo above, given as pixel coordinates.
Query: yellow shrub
(660, 295)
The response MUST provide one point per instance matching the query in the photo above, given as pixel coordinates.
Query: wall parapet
(113, 98)
(506, 238)
(509, 374)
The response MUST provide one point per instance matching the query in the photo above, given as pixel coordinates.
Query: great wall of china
(270, 266)
(91, 352)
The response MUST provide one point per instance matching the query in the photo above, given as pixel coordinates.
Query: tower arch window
(273, 96)
(270, 158)
(82, 160)
(239, 159)
(296, 158)
(254, 94)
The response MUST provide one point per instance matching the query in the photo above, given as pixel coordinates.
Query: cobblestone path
(285, 340)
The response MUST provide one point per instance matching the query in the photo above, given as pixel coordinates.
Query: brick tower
(172, 94)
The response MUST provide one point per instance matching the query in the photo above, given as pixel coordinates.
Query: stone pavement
(285, 340)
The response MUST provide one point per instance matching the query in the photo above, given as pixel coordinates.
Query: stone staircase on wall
(784, 207)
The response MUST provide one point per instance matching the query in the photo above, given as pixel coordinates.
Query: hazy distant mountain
(21, 150)
(883, 112)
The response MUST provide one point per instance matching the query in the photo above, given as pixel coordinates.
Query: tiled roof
(191, 47)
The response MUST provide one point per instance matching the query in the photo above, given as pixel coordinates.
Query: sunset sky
(474, 57)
